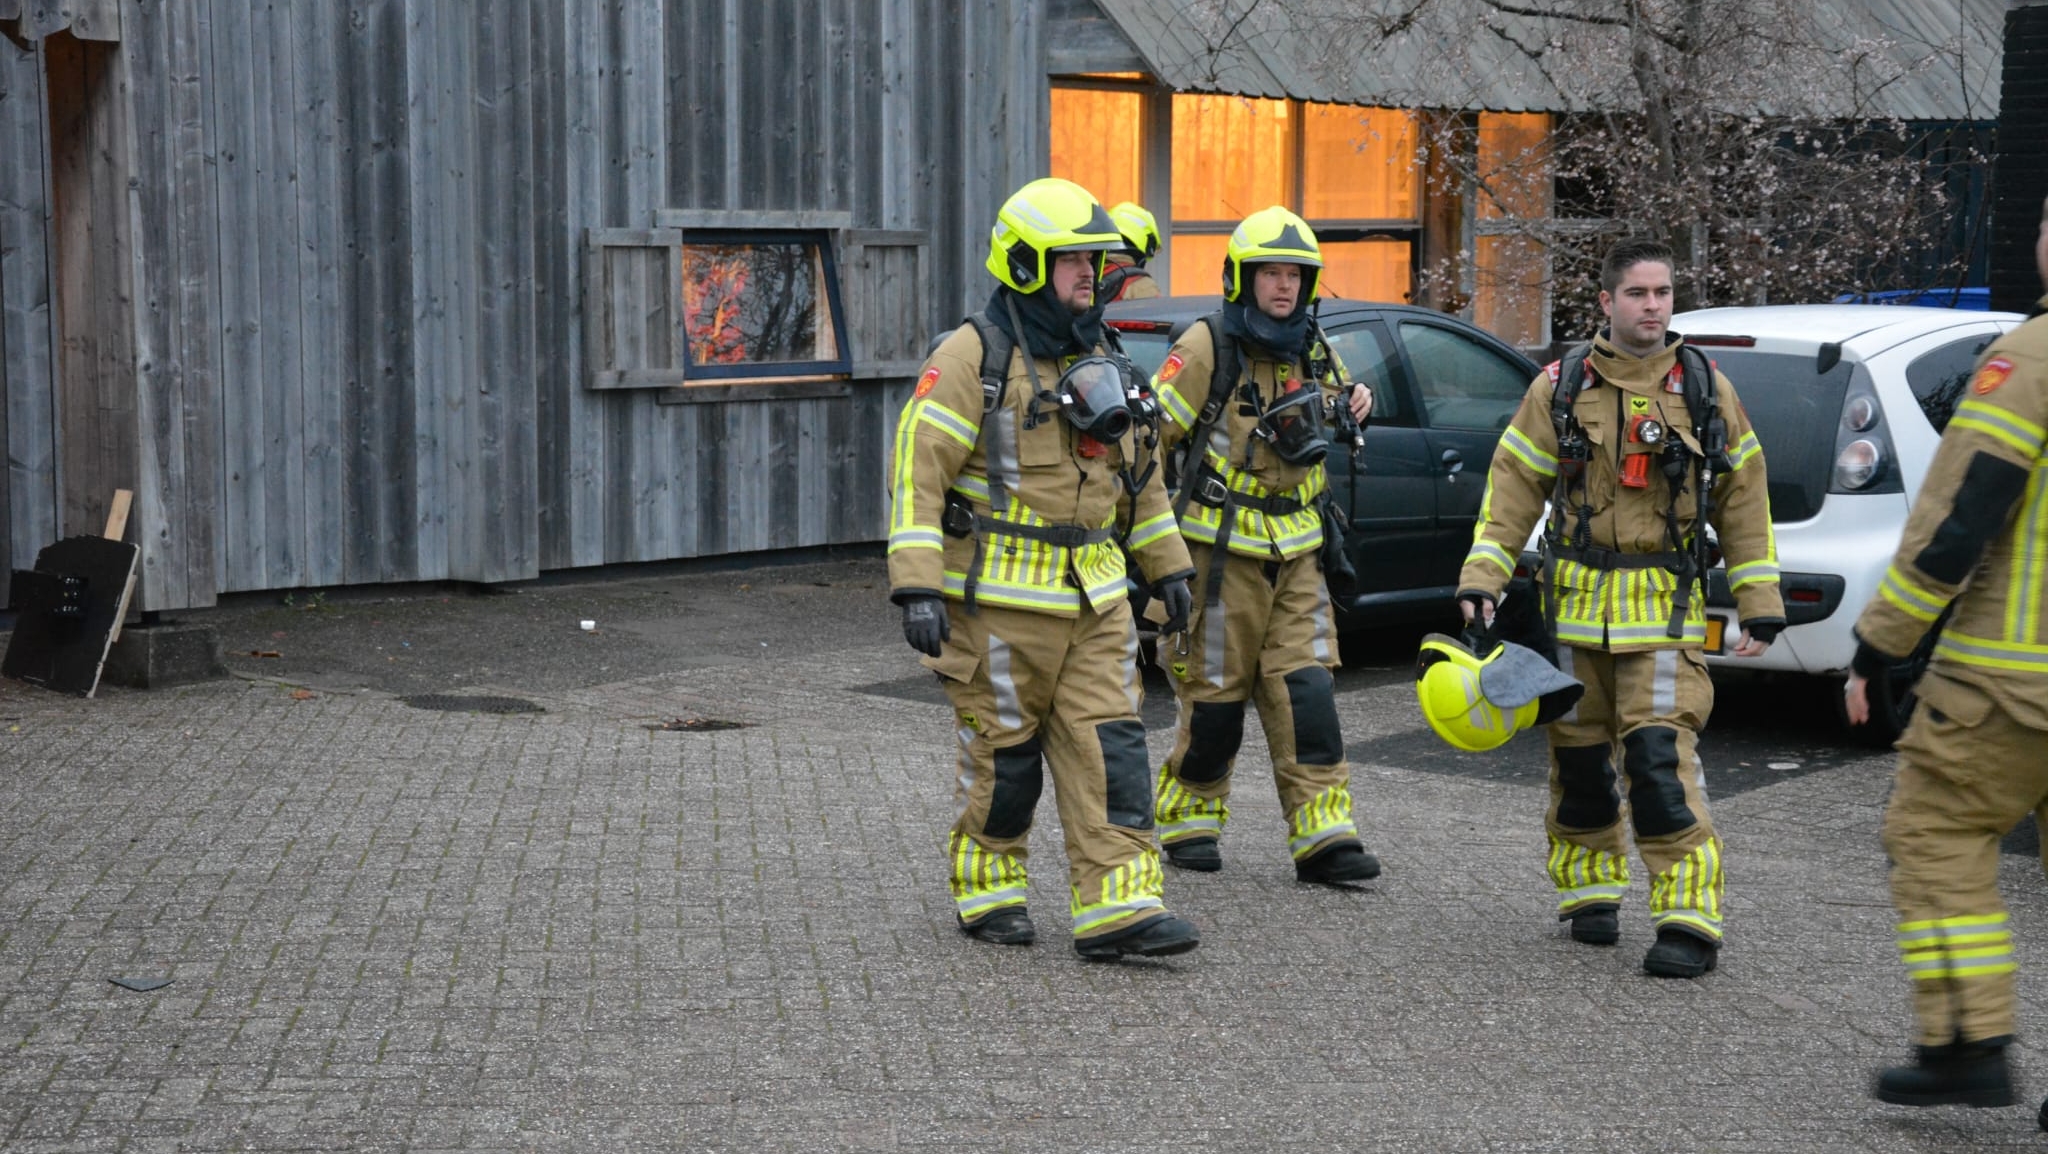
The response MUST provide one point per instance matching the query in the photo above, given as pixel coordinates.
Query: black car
(1443, 390)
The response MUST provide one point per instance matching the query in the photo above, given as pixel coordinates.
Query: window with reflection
(761, 304)
(1098, 141)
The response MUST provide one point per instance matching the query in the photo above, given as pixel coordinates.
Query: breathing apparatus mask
(1293, 427)
(1095, 397)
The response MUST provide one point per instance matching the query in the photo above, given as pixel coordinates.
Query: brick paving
(395, 929)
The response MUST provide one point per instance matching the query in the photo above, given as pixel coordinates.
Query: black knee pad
(1589, 798)
(1020, 776)
(1655, 794)
(1129, 771)
(1214, 734)
(1312, 698)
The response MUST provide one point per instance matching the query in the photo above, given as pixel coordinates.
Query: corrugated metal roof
(1940, 58)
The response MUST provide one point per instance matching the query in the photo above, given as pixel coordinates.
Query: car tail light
(1141, 326)
(1722, 340)
(1857, 465)
(1863, 443)
(1804, 596)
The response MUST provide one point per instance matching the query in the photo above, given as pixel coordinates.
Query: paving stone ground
(388, 928)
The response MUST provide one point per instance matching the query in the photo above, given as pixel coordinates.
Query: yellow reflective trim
(1999, 425)
(1959, 920)
(948, 422)
(1746, 448)
(1176, 406)
(1542, 463)
(1488, 551)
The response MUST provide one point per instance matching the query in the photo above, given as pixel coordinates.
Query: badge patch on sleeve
(1171, 368)
(928, 380)
(1992, 375)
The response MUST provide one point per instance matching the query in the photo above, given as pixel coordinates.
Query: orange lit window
(1511, 271)
(1357, 163)
(1232, 156)
(1197, 264)
(1098, 141)
(1368, 270)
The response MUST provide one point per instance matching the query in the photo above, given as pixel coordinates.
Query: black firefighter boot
(1344, 862)
(1595, 925)
(1678, 954)
(1155, 937)
(1201, 854)
(1009, 926)
(1960, 1073)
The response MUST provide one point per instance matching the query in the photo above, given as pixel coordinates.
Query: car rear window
(1146, 350)
(1795, 411)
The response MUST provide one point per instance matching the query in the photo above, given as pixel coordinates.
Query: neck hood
(1280, 340)
(1051, 331)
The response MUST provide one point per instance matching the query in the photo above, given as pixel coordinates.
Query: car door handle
(1453, 462)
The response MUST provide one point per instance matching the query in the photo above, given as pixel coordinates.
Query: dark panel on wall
(2021, 172)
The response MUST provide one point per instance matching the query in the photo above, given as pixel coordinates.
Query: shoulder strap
(1228, 363)
(1571, 377)
(1703, 403)
(996, 348)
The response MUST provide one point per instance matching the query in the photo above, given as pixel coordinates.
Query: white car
(1849, 402)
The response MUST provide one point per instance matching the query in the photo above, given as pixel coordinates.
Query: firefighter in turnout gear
(1019, 477)
(1243, 392)
(1971, 765)
(1618, 438)
(1125, 277)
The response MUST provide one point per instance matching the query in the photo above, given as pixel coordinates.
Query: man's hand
(1856, 700)
(1179, 601)
(1757, 637)
(1361, 403)
(925, 625)
(1476, 605)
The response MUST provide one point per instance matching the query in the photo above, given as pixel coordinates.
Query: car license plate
(1716, 629)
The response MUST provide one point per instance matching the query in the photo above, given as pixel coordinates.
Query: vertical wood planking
(580, 463)
(281, 386)
(440, 97)
(230, 67)
(28, 491)
(322, 347)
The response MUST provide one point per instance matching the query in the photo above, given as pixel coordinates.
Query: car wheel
(1892, 695)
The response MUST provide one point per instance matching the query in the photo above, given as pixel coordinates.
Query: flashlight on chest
(1647, 432)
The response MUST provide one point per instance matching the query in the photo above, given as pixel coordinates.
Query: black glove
(925, 625)
(1179, 602)
(1480, 603)
(1763, 630)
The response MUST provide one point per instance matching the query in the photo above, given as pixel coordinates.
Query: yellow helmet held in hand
(1277, 235)
(1047, 216)
(1140, 231)
(1477, 703)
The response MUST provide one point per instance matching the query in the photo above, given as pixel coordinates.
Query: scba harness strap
(1688, 559)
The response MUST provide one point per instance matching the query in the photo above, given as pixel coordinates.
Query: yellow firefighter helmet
(1047, 216)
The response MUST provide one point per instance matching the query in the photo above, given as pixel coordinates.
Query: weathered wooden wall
(28, 474)
(357, 278)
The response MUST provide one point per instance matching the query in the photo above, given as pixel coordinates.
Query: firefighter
(1243, 391)
(1126, 278)
(1019, 478)
(1970, 762)
(1639, 444)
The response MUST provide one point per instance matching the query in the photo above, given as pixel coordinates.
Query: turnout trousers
(1272, 639)
(1968, 772)
(1642, 711)
(1030, 690)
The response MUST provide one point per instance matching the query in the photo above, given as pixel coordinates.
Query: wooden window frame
(773, 371)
